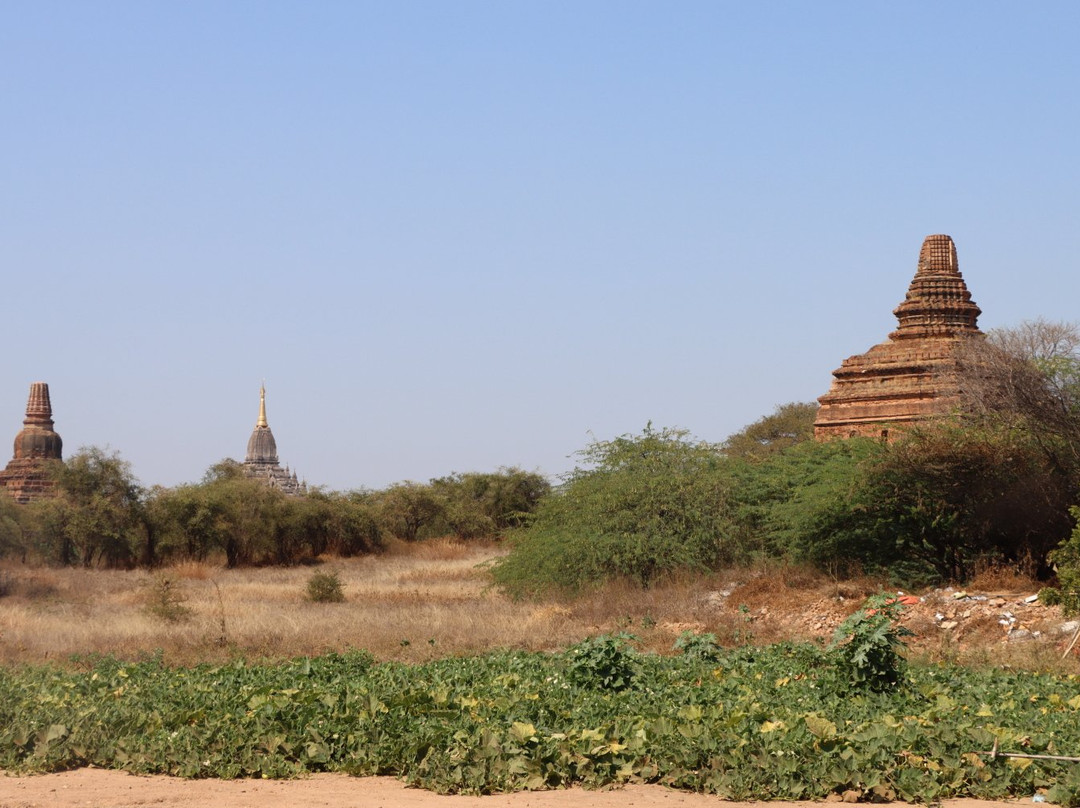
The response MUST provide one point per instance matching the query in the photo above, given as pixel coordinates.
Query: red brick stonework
(908, 378)
(26, 477)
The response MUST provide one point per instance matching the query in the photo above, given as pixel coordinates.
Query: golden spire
(262, 407)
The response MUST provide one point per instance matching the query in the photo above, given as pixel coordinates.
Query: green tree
(12, 540)
(334, 522)
(478, 505)
(246, 514)
(788, 425)
(809, 503)
(641, 507)
(405, 509)
(924, 509)
(950, 495)
(252, 523)
(97, 514)
(228, 512)
(187, 521)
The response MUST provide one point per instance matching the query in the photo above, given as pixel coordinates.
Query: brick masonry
(910, 377)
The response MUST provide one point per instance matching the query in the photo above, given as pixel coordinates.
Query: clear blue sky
(453, 236)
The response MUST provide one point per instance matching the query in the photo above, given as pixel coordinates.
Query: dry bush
(771, 585)
(1042, 655)
(165, 599)
(996, 577)
(29, 582)
(195, 570)
(325, 587)
(446, 548)
(982, 629)
(680, 598)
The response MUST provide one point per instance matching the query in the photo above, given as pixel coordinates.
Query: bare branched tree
(1027, 377)
(1038, 340)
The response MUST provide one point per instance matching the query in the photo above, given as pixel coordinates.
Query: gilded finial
(262, 407)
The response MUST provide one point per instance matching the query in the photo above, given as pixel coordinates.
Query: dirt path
(98, 788)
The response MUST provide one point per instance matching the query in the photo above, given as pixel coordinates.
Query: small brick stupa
(261, 461)
(907, 379)
(26, 477)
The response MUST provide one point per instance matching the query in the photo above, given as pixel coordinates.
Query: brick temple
(908, 378)
(26, 478)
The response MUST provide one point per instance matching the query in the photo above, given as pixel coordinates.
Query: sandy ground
(98, 788)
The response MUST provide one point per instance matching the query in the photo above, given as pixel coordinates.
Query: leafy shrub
(325, 587)
(1066, 792)
(703, 647)
(643, 506)
(479, 505)
(1067, 559)
(165, 600)
(1050, 596)
(927, 508)
(950, 496)
(868, 646)
(808, 504)
(606, 662)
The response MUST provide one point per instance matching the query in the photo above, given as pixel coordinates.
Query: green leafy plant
(1050, 596)
(768, 723)
(606, 662)
(639, 508)
(704, 647)
(869, 645)
(1067, 559)
(1066, 792)
(325, 587)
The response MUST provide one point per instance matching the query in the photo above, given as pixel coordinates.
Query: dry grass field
(412, 603)
(416, 602)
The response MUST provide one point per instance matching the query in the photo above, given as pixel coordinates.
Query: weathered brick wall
(910, 377)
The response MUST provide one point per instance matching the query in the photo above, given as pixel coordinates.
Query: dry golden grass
(418, 601)
(999, 578)
(414, 602)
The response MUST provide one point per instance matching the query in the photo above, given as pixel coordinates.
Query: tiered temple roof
(909, 378)
(261, 461)
(26, 477)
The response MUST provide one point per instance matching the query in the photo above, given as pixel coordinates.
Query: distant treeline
(102, 516)
(992, 485)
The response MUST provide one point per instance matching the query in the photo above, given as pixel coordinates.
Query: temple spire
(910, 377)
(937, 303)
(262, 408)
(261, 460)
(26, 477)
(39, 407)
(938, 257)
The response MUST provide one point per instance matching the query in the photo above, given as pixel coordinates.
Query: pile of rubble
(1018, 617)
(947, 614)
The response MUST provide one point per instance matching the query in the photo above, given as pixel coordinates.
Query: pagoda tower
(26, 477)
(910, 377)
(261, 461)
